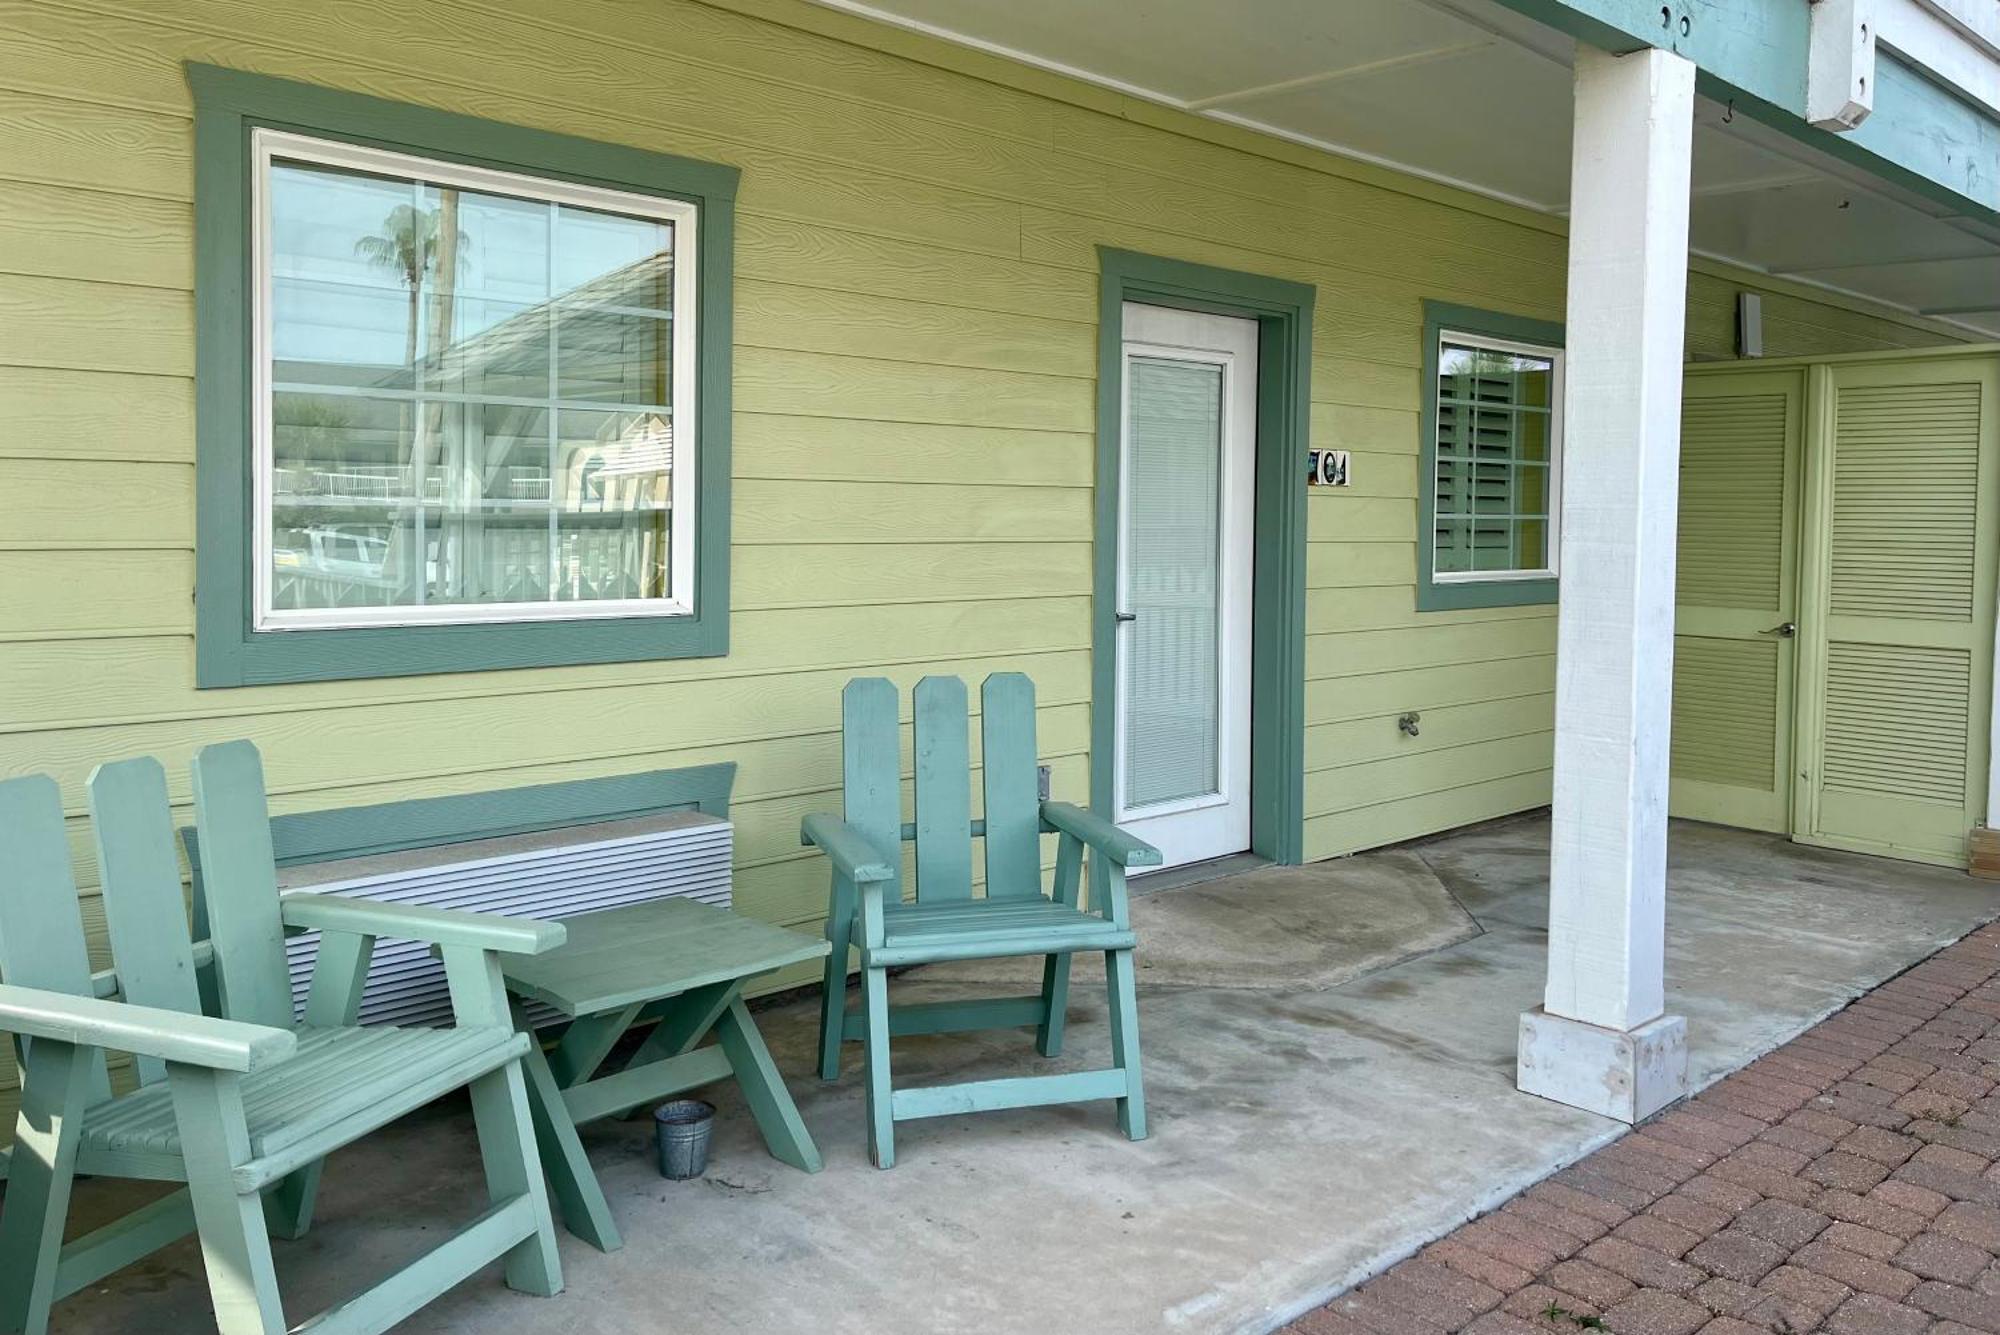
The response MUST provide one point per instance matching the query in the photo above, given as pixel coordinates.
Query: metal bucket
(682, 1128)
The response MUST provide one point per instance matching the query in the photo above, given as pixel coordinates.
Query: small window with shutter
(1492, 465)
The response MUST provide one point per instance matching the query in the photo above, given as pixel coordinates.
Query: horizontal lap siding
(915, 316)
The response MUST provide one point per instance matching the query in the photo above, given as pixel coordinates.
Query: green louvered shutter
(1735, 583)
(1908, 587)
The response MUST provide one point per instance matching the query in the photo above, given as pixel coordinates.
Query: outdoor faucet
(1408, 723)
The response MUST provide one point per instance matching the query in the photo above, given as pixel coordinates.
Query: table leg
(585, 1211)
(585, 1044)
(785, 1133)
(687, 1021)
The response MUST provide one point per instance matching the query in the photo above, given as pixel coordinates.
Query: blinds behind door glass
(1173, 531)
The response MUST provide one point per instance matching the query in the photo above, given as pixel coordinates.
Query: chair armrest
(1100, 834)
(417, 922)
(851, 854)
(144, 1031)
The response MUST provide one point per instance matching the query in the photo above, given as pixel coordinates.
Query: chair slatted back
(41, 923)
(1013, 797)
(872, 771)
(872, 778)
(143, 905)
(944, 791)
(240, 885)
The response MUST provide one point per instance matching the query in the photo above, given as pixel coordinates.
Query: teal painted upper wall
(1756, 45)
(1916, 121)
(1753, 53)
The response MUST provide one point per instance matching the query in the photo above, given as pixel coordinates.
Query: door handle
(1784, 631)
(1125, 616)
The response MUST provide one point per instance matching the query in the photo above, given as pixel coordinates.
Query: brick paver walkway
(1849, 1181)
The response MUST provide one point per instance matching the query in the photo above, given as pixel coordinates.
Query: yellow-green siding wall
(915, 313)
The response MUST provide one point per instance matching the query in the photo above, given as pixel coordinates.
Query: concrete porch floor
(1329, 1060)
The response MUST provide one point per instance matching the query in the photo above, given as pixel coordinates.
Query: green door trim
(1283, 312)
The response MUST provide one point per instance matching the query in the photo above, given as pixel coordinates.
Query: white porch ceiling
(1466, 92)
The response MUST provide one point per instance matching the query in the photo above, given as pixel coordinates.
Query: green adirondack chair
(946, 922)
(242, 1109)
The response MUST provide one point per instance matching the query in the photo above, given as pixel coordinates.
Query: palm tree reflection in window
(407, 246)
(519, 449)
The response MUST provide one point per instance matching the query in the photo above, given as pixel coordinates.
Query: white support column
(1601, 1041)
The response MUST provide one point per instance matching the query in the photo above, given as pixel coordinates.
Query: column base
(1625, 1074)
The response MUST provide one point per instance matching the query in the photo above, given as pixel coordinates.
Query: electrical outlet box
(1043, 782)
(1749, 324)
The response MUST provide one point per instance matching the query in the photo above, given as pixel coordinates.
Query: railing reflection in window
(471, 397)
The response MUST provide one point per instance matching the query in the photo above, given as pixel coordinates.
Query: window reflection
(471, 399)
(1492, 494)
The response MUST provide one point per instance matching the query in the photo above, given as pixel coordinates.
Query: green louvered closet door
(1898, 662)
(1735, 587)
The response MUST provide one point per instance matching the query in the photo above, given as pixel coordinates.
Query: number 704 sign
(1326, 468)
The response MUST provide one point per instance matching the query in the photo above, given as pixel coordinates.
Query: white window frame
(269, 145)
(1489, 343)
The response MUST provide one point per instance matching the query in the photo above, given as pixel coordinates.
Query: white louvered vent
(548, 874)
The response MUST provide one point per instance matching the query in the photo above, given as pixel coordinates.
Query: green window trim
(229, 106)
(1283, 311)
(1451, 595)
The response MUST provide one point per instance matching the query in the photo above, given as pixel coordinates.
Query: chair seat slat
(335, 1074)
(1039, 922)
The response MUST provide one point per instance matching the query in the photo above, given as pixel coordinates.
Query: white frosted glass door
(1173, 532)
(1186, 476)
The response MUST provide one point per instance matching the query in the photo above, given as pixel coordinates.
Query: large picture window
(471, 387)
(463, 391)
(1493, 460)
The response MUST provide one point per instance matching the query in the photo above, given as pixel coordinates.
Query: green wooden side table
(675, 961)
